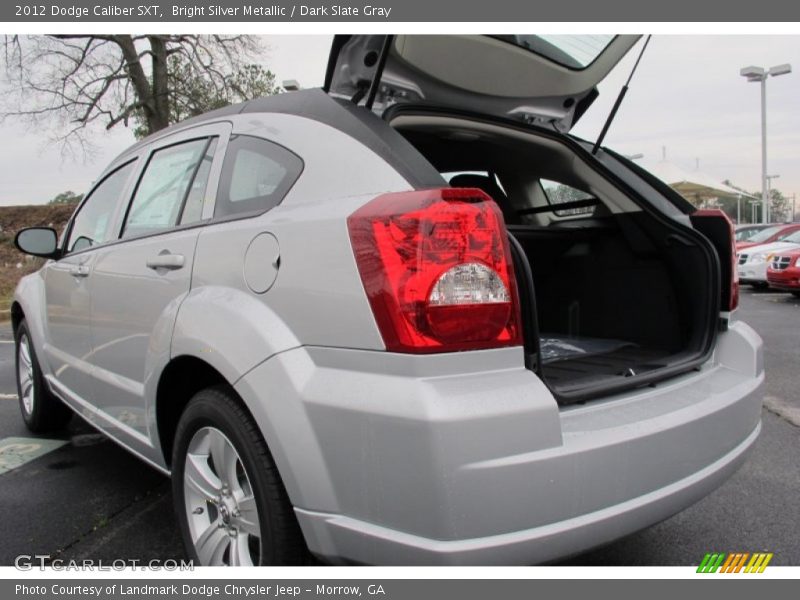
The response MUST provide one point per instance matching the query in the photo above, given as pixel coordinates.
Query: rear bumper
(371, 543)
(463, 459)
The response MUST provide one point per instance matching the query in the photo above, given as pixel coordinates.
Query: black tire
(796, 294)
(759, 285)
(44, 413)
(281, 540)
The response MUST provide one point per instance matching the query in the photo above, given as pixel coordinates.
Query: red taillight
(727, 229)
(734, 297)
(437, 270)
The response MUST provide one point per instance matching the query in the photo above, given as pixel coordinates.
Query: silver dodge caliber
(402, 319)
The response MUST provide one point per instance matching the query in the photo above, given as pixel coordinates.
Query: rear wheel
(231, 505)
(41, 410)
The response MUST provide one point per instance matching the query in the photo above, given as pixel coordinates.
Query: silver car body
(387, 458)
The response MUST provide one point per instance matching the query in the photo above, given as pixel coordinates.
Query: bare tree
(85, 80)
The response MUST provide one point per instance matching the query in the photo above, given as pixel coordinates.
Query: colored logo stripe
(734, 562)
(759, 562)
(711, 562)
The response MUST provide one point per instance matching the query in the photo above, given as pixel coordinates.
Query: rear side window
(256, 175)
(92, 224)
(559, 193)
(165, 185)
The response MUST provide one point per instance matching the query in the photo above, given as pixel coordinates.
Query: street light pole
(769, 179)
(764, 180)
(760, 74)
(738, 209)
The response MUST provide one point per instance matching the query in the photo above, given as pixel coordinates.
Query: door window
(166, 183)
(92, 225)
(786, 234)
(193, 208)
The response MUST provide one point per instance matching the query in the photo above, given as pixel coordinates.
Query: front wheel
(41, 410)
(231, 505)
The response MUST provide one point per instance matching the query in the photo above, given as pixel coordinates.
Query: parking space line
(8, 396)
(16, 451)
(762, 294)
(6, 341)
(783, 409)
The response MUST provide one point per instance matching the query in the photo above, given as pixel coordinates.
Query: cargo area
(613, 295)
(611, 303)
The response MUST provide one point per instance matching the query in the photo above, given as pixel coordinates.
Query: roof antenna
(622, 93)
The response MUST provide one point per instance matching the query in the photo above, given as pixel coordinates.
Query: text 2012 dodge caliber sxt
(406, 318)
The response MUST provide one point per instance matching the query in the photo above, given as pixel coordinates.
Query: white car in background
(752, 262)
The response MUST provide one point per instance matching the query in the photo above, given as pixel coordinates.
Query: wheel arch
(29, 304)
(17, 315)
(180, 380)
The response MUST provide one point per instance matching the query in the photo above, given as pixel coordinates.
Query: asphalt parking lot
(89, 499)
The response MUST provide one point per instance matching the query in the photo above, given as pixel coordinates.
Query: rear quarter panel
(317, 297)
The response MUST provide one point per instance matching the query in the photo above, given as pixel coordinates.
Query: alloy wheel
(25, 374)
(220, 506)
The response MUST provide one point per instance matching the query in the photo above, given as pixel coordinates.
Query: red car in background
(773, 233)
(783, 272)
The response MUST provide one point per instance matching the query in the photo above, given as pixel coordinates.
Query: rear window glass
(256, 175)
(559, 193)
(573, 51)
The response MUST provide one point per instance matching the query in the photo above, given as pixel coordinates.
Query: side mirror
(38, 241)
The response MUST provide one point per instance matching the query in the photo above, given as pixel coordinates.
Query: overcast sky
(687, 97)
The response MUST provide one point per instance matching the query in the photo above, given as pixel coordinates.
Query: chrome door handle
(79, 271)
(166, 261)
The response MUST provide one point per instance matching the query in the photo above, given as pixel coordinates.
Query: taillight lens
(734, 303)
(724, 228)
(734, 297)
(437, 270)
